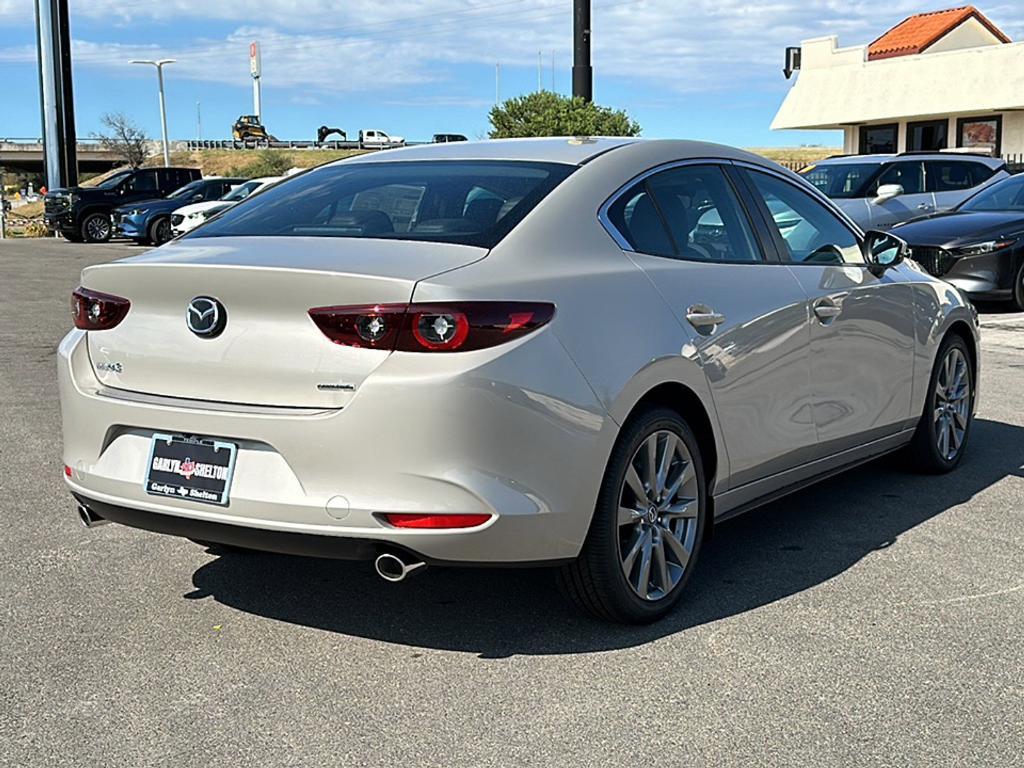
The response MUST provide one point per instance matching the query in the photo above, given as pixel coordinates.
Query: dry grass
(230, 162)
(796, 155)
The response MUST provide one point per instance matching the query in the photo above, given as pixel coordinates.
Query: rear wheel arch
(684, 401)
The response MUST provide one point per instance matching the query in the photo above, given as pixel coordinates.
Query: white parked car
(373, 138)
(188, 217)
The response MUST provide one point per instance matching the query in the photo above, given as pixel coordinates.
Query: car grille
(936, 261)
(176, 219)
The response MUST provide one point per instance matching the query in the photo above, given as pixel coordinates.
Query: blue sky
(697, 69)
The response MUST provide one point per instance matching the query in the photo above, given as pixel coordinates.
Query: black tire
(925, 453)
(1017, 298)
(160, 230)
(596, 581)
(96, 228)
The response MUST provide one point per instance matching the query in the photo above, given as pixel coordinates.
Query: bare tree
(123, 137)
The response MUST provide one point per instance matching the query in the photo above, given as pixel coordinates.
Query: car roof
(992, 162)
(563, 149)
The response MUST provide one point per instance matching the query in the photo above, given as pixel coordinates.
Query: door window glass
(637, 219)
(812, 234)
(143, 181)
(953, 175)
(909, 175)
(703, 214)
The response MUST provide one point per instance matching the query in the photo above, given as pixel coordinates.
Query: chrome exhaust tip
(89, 518)
(393, 568)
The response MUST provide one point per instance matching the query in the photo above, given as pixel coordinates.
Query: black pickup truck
(83, 213)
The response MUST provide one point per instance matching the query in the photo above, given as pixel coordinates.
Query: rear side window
(688, 212)
(954, 175)
(450, 201)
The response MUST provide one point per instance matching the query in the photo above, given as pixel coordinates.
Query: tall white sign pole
(254, 70)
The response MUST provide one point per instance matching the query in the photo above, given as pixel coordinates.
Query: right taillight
(437, 327)
(95, 311)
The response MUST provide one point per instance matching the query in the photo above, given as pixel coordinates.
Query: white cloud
(323, 47)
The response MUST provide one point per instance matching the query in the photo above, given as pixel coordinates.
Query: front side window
(143, 181)
(909, 175)
(242, 191)
(690, 212)
(812, 234)
(451, 201)
(114, 181)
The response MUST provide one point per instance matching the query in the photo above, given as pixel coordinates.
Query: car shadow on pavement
(784, 548)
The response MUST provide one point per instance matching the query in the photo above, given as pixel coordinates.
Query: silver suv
(879, 191)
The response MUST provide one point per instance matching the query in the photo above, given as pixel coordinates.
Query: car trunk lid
(269, 353)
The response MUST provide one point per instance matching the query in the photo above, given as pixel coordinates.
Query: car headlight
(137, 211)
(979, 249)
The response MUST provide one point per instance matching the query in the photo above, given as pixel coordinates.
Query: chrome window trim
(624, 244)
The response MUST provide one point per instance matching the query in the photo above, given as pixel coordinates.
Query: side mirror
(887, 192)
(883, 250)
(197, 197)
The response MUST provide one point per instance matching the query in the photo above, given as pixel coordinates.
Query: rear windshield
(448, 201)
(841, 180)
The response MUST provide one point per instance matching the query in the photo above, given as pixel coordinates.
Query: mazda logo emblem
(206, 317)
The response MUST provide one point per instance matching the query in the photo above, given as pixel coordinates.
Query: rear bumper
(455, 441)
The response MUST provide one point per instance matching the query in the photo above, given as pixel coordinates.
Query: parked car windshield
(840, 180)
(448, 201)
(114, 180)
(1005, 195)
(241, 192)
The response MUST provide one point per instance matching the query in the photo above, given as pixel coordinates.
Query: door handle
(700, 316)
(827, 310)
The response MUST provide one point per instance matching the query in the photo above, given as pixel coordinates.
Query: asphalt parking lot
(876, 619)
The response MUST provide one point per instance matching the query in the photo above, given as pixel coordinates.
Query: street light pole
(163, 110)
(582, 72)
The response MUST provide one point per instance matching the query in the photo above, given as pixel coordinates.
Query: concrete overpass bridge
(26, 156)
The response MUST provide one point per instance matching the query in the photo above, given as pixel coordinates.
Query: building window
(981, 133)
(878, 139)
(927, 136)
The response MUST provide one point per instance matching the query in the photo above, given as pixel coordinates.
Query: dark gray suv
(879, 191)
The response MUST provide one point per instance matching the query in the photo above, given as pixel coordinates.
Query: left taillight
(435, 327)
(95, 311)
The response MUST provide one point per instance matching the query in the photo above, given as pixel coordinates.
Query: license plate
(190, 469)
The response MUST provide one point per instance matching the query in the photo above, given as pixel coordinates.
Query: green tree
(550, 114)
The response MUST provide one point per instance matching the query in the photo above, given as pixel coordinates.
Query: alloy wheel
(658, 515)
(952, 403)
(97, 228)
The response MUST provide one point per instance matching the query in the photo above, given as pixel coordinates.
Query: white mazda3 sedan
(570, 352)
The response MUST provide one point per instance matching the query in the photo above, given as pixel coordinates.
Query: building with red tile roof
(944, 80)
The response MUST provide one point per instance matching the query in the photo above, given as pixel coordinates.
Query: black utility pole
(582, 72)
(53, 37)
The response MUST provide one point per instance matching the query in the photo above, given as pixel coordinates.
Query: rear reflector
(408, 520)
(440, 327)
(67, 471)
(95, 311)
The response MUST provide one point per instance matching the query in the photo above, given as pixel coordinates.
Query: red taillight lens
(440, 327)
(95, 311)
(67, 471)
(410, 520)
